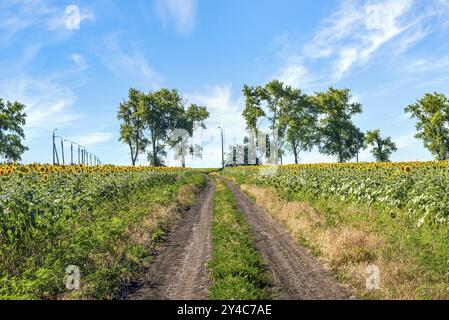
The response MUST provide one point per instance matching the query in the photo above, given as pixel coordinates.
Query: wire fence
(78, 153)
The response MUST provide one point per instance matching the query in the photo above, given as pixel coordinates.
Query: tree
(432, 113)
(253, 110)
(267, 102)
(338, 135)
(163, 109)
(12, 120)
(382, 148)
(299, 117)
(132, 112)
(189, 120)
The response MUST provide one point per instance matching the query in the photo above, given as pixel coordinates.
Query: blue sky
(389, 53)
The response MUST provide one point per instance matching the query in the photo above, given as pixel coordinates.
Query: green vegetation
(354, 217)
(381, 148)
(12, 120)
(237, 270)
(432, 113)
(149, 119)
(106, 223)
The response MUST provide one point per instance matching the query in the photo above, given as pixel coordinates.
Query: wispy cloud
(128, 61)
(225, 111)
(426, 64)
(359, 31)
(48, 104)
(20, 15)
(295, 73)
(92, 138)
(181, 13)
(79, 61)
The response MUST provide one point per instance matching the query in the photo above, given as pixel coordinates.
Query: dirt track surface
(294, 272)
(179, 271)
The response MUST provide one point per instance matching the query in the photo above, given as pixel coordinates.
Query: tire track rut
(179, 271)
(294, 272)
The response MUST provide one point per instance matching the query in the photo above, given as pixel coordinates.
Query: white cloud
(225, 111)
(48, 105)
(20, 15)
(58, 20)
(358, 29)
(421, 65)
(180, 12)
(131, 62)
(294, 73)
(79, 61)
(358, 32)
(92, 138)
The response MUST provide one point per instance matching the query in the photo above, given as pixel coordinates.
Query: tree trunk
(154, 153)
(133, 161)
(295, 151)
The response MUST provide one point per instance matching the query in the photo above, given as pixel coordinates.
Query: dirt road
(179, 271)
(295, 273)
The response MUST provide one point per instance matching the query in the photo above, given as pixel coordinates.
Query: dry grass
(348, 246)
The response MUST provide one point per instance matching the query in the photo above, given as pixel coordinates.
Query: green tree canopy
(253, 110)
(12, 120)
(338, 135)
(432, 114)
(381, 148)
(267, 102)
(132, 113)
(299, 116)
(163, 109)
(148, 119)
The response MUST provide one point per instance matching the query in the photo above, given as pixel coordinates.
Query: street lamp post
(222, 148)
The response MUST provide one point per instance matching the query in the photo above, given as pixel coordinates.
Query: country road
(295, 273)
(180, 269)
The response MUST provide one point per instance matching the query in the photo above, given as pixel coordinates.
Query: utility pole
(55, 149)
(222, 148)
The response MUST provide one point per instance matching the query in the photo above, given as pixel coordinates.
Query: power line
(84, 157)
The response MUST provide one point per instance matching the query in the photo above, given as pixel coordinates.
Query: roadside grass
(237, 270)
(111, 245)
(413, 261)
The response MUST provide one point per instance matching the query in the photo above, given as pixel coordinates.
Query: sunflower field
(34, 197)
(419, 189)
(51, 216)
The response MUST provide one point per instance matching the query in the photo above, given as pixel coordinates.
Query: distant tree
(12, 120)
(163, 109)
(381, 148)
(132, 113)
(299, 117)
(432, 114)
(190, 120)
(338, 135)
(235, 155)
(267, 102)
(253, 110)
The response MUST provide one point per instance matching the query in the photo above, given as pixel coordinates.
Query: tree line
(147, 119)
(325, 120)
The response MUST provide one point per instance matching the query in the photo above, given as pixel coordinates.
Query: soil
(179, 270)
(295, 273)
